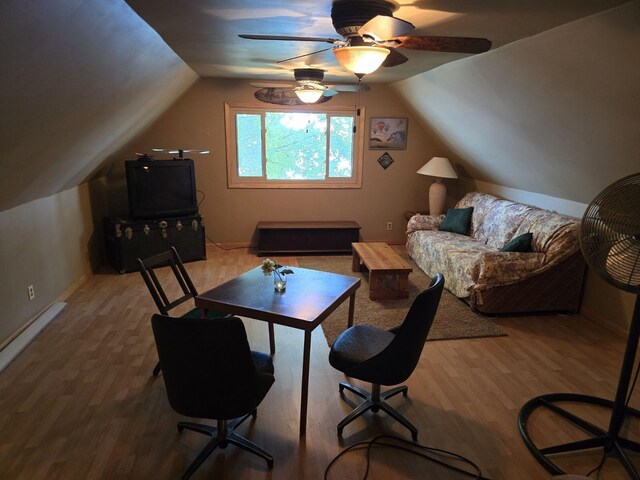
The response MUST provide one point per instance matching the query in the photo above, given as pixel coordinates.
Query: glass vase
(279, 281)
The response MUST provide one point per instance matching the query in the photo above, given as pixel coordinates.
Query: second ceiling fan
(308, 86)
(372, 37)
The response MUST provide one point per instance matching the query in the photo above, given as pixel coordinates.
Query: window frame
(235, 181)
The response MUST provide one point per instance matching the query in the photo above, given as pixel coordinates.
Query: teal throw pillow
(457, 220)
(521, 243)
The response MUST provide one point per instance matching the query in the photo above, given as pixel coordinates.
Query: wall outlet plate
(31, 292)
(389, 225)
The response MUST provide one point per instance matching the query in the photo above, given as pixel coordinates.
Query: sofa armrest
(503, 268)
(424, 222)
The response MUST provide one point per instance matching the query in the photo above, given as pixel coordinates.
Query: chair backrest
(172, 259)
(397, 361)
(207, 366)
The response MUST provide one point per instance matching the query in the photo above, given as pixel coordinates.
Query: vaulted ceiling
(80, 79)
(204, 33)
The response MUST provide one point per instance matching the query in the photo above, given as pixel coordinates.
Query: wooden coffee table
(309, 298)
(388, 272)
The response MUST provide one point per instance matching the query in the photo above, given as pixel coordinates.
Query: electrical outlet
(389, 225)
(32, 292)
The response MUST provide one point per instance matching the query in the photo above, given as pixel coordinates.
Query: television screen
(161, 188)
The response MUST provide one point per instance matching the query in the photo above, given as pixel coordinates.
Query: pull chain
(357, 106)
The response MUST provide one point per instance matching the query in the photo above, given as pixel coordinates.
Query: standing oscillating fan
(610, 242)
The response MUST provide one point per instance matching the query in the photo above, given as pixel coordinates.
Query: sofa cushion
(452, 254)
(495, 221)
(457, 220)
(521, 243)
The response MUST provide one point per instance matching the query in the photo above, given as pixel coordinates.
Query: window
(294, 147)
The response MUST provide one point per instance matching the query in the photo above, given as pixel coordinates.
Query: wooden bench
(388, 272)
(307, 237)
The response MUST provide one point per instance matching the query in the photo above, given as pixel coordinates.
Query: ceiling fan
(308, 86)
(179, 151)
(370, 31)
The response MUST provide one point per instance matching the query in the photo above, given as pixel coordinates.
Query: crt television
(161, 188)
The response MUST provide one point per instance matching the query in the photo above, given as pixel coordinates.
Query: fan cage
(610, 234)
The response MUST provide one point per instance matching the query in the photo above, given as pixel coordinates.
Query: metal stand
(610, 440)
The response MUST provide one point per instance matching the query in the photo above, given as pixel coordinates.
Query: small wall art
(385, 160)
(388, 133)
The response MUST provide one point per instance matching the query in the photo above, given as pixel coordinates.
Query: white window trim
(234, 181)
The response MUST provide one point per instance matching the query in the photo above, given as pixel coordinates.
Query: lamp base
(437, 196)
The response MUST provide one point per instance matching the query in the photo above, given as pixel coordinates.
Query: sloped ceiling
(80, 79)
(205, 32)
(77, 80)
(556, 113)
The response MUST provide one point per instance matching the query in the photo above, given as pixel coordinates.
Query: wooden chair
(170, 258)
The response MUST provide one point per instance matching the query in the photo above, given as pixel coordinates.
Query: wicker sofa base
(558, 289)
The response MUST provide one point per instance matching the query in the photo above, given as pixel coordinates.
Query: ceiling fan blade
(362, 88)
(443, 44)
(304, 55)
(394, 58)
(272, 85)
(329, 93)
(383, 27)
(333, 41)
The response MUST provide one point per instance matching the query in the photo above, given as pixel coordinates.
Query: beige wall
(48, 243)
(196, 120)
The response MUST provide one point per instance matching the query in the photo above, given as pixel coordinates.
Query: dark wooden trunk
(127, 239)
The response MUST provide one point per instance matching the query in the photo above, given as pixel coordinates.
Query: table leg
(352, 307)
(272, 339)
(306, 356)
(355, 261)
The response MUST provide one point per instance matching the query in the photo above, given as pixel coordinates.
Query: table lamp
(440, 168)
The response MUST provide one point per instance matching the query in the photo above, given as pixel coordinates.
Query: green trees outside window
(285, 148)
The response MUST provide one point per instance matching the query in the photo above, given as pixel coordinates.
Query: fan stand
(610, 440)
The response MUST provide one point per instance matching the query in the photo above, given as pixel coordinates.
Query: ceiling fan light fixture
(308, 94)
(361, 60)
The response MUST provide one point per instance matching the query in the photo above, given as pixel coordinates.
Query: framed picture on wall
(388, 133)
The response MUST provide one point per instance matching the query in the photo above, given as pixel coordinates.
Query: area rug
(454, 318)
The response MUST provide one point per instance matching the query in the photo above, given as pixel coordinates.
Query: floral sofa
(548, 278)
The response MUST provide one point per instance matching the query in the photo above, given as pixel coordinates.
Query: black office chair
(385, 357)
(210, 372)
(170, 258)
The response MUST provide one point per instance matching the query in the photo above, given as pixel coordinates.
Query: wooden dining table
(309, 298)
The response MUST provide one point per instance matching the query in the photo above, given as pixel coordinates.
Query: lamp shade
(308, 94)
(438, 167)
(361, 59)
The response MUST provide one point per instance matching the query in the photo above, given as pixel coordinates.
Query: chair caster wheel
(254, 414)
(340, 388)
(339, 431)
(375, 409)
(270, 464)
(414, 437)
(405, 392)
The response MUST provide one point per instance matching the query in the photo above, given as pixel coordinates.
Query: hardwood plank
(80, 401)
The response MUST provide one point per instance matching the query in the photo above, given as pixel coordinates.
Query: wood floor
(80, 401)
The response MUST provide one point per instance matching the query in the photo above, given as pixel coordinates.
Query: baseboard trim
(232, 246)
(20, 342)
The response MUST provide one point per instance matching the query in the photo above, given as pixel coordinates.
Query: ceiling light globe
(308, 95)
(361, 60)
